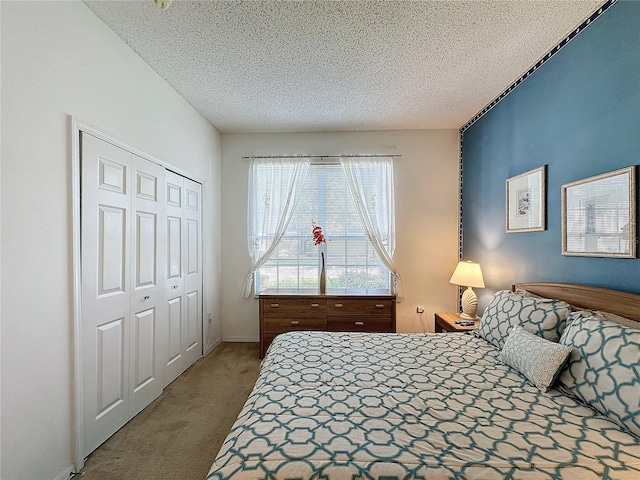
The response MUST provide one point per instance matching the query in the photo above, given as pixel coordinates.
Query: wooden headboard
(586, 297)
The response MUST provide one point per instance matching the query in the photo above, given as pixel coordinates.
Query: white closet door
(183, 284)
(105, 240)
(148, 319)
(123, 316)
(192, 344)
(174, 360)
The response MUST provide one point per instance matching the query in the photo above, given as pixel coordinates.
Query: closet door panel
(174, 248)
(111, 249)
(146, 249)
(105, 245)
(194, 326)
(175, 329)
(149, 327)
(111, 374)
(174, 362)
(192, 345)
(193, 247)
(144, 370)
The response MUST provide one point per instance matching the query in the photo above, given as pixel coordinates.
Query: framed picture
(599, 215)
(526, 201)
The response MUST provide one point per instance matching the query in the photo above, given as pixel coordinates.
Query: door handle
(146, 297)
(175, 287)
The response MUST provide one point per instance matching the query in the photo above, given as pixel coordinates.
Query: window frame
(320, 218)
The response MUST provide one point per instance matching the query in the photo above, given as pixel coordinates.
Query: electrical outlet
(419, 309)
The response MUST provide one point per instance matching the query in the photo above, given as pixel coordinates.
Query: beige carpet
(179, 434)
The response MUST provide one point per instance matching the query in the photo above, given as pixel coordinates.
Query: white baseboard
(65, 474)
(212, 347)
(241, 339)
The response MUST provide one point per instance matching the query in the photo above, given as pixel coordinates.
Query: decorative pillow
(604, 368)
(543, 316)
(536, 358)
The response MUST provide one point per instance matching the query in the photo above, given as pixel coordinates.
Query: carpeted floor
(179, 434)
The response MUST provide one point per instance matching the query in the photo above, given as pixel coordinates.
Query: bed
(398, 406)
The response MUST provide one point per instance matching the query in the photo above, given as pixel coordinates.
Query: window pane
(350, 260)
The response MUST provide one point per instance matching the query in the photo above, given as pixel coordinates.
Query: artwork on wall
(599, 215)
(526, 201)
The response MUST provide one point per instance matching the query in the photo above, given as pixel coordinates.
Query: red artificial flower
(318, 237)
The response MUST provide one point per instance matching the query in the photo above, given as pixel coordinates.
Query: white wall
(59, 59)
(426, 216)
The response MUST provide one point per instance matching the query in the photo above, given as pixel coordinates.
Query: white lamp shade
(467, 274)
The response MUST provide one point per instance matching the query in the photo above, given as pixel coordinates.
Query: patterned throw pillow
(543, 316)
(604, 367)
(536, 358)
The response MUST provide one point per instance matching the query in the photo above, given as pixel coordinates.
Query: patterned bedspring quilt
(399, 406)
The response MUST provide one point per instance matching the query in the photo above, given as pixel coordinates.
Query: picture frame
(525, 198)
(599, 215)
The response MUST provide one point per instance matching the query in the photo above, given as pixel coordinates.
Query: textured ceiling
(293, 66)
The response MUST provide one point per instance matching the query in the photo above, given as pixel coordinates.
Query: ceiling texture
(308, 66)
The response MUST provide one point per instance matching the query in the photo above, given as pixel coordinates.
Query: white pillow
(539, 360)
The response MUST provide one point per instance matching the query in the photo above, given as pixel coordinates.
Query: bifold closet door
(183, 284)
(123, 309)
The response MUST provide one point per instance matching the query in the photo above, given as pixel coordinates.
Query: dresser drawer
(359, 324)
(364, 306)
(279, 324)
(296, 307)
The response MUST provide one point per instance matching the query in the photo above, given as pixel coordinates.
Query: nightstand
(445, 322)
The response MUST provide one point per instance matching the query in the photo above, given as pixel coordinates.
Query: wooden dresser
(335, 311)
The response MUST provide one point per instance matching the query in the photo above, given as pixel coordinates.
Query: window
(350, 259)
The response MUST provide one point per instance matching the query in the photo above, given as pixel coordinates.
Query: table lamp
(468, 274)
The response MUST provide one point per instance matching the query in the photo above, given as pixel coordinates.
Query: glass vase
(323, 276)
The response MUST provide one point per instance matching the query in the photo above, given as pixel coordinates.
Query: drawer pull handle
(275, 305)
(295, 322)
(360, 324)
(315, 305)
(338, 305)
(379, 306)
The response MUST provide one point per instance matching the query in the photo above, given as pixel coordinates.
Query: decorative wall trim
(460, 231)
(605, 6)
(460, 180)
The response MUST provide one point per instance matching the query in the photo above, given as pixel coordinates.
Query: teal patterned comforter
(400, 406)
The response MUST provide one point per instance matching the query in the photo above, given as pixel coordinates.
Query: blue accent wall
(579, 113)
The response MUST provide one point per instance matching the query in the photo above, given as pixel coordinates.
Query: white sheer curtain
(274, 189)
(370, 182)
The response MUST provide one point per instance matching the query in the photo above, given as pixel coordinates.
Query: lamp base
(469, 305)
